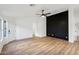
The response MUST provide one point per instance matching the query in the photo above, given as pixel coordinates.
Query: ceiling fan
(43, 14)
(31, 4)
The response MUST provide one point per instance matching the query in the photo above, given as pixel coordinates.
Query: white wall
(41, 27)
(1, 35)
(24, 27)
(76, 17)
(73, 23)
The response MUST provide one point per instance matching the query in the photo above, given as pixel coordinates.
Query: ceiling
(17, 10)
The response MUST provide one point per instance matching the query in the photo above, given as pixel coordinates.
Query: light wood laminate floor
(41, 46)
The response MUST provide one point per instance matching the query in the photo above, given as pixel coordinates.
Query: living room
(24, 26)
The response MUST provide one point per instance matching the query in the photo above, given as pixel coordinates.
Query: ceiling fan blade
(47, 13)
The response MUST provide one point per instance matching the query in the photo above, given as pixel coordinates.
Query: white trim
(1, 28)
(2, 31)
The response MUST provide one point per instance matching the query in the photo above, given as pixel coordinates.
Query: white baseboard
(24, 38)
(40, 35)
(71, 41)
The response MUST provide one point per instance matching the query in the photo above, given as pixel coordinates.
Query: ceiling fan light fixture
(42, 16)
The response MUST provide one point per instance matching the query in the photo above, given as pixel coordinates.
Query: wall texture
(24, 27)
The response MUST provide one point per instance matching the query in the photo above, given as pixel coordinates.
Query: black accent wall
(57, 25)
